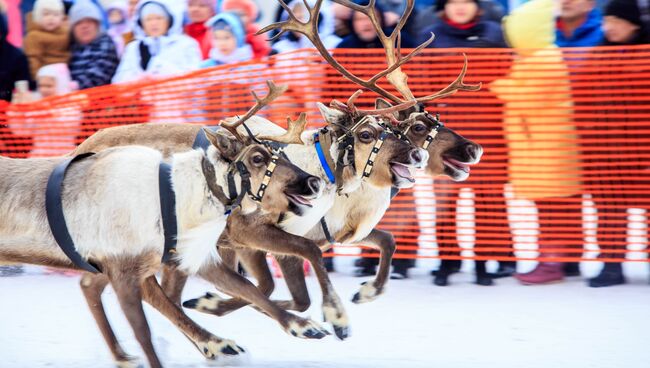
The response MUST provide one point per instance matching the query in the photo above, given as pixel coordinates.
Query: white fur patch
(198, 246)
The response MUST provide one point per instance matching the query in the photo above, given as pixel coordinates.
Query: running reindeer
(352, 218)
(117, 225)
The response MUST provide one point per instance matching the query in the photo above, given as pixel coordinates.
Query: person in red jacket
(198, 12)
(248, 12)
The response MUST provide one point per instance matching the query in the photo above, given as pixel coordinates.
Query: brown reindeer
(127, 247)
(449, 155)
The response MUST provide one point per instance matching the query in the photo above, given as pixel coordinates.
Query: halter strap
(323, 158)
(370, 163)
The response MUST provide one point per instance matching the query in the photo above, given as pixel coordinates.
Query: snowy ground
(45, 323)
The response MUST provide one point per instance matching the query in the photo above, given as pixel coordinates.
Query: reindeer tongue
(401, 170)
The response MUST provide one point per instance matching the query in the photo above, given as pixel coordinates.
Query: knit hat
(625, 9)
(440, 4)
(210, 3)
(85, 9)
(41, 5)
(248, 6)
(229, 22)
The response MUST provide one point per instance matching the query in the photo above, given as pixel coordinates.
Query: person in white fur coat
(160, 48)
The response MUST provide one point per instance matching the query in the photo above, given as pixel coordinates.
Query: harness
(432, 134)
(59, 228)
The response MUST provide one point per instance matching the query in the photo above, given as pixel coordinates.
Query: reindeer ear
(331, 115)
(228, 146)
(380, 103)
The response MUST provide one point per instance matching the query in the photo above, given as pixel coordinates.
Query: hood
(233, 21)
(61, 74)
(176, 10)
(531, 25)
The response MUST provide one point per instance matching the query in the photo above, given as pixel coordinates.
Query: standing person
(248, 12)
(622, 25)
(579, 24)
(199, 12)
(160, 48)
(119, 23)
(94, 55)
(461, 25)
(542, 148)
(14, 67)
(48, 38)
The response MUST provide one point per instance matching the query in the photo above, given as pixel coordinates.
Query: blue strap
(56, 218)
(323, 161)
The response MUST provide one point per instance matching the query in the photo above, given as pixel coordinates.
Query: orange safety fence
(566, 135)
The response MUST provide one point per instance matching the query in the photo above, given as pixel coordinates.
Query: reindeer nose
(314, 184)
(472, 152)
(416, 156)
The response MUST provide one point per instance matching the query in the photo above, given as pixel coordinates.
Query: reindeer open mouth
(402, 172)
(299, 200)
(456, 169)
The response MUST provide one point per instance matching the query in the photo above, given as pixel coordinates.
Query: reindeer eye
(365, 136)
(258, 159)
(419, 128)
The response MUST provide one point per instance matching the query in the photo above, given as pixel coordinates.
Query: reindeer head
(450, 154)
(261, 175)
(379, 157)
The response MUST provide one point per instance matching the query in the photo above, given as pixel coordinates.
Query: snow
(45, 323)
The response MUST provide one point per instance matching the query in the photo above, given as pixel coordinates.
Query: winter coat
(589, 33)
(241, 54)
(173, 53)
(13, 64)
(44, 48)
(202, 35)
(94, 64)
(483, 34)
(259, 43)
(542, 147)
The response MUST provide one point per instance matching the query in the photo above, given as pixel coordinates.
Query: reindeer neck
(195, 203)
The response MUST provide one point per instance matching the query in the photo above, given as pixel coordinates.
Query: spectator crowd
(53, 47)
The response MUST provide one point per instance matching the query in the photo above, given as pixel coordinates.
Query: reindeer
(116, 225)
(352, 219)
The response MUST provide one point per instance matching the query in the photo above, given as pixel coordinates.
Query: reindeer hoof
(209, 303)
(367, 293)
(129, 363)
(339, 320)
(306, 329)
(213, 349)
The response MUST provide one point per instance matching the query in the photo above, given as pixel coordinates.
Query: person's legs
(446, 197)
(611, 235)
(560, 228)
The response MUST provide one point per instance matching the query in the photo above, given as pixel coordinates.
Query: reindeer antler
(273, 93)
(294, 130)
(351, 108)
(395, 60)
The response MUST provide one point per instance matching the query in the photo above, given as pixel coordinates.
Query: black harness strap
(167, 210)
(56, 218)
(326, 231)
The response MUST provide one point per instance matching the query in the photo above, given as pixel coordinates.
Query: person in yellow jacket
(541, 136)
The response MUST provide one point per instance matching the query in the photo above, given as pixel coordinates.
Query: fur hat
(440, 4)
(42, 5)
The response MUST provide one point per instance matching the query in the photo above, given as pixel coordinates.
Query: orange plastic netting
(566, 135)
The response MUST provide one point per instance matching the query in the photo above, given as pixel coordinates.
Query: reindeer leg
(276, 241)
(127, 286)
(92, 286)
(172, 282)
(385, 242)
(255, 264)
(294, 276)
(210, 345)
(232, 283)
